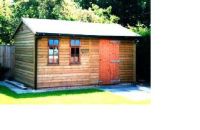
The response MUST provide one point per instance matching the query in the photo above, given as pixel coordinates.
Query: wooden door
(109, 62)
(114, 62)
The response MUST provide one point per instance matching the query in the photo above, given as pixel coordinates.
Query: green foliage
(129, 11)
(10, 93)
(34, 9)
(10, 15)
(141, 29)
(104, 15)
(69, 10)
(61, 9)
(5, 21)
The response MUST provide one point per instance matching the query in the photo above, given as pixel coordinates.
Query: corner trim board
(35, 81)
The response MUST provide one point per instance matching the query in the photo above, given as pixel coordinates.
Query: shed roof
(63, 27)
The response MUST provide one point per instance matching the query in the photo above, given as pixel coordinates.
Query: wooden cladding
(127, 56)
(24, 56)
(65, 74)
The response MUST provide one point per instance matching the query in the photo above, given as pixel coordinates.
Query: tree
(129, 11)
(70, 10)
(141, 29)
(34, 9)
(143, 53)
(5, 21)
(61, 9)
(10, 15)
(144, 15)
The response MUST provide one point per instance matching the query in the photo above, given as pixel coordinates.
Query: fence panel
(7, 58)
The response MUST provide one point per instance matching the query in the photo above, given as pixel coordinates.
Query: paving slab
(131, 91)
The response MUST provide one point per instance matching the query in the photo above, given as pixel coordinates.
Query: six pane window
(53, 51)
(75, 51)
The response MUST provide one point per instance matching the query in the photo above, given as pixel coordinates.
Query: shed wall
(127, 56)
(24, 56)
(86, 73)
(64, 74)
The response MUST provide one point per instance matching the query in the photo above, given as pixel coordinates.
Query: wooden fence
(7, 55)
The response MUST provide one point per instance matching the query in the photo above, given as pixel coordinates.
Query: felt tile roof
(63, 27)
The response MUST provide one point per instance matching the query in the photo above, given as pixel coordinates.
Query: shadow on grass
(10, 93)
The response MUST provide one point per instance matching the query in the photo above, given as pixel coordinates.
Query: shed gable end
(24, 41)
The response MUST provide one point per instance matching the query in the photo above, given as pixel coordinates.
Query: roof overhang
(86, 36)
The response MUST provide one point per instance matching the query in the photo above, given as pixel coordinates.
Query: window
(53, 51)
(75, 51)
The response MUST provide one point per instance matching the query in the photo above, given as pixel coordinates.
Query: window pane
(72, 51)
(72, 42)
(56, 51)
(50, 59)
(77, 51)
(55, 59)
(51, 51)
(51, 42)
(76, 59)
(56, 42)
(72, 59)
(77, 43)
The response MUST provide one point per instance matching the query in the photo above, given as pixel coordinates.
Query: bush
(141, 29)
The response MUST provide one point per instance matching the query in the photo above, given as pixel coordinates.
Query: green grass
(84, 96)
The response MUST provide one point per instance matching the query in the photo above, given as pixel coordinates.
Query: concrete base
(29, 90)
(125, 89)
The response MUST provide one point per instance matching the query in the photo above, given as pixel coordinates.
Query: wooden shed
(59, 53)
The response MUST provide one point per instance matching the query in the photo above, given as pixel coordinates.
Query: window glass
(56, 51)
(50, 59)
(56, 42)
(72, 42)
(72, 51)
(53, 42)
(55, 59)
(75, 42)
(50, 42)
(53, 51)
(75, 51)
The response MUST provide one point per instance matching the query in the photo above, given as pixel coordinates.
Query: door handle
(115, 61)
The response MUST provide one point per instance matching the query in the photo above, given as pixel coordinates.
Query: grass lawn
(85, 96)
